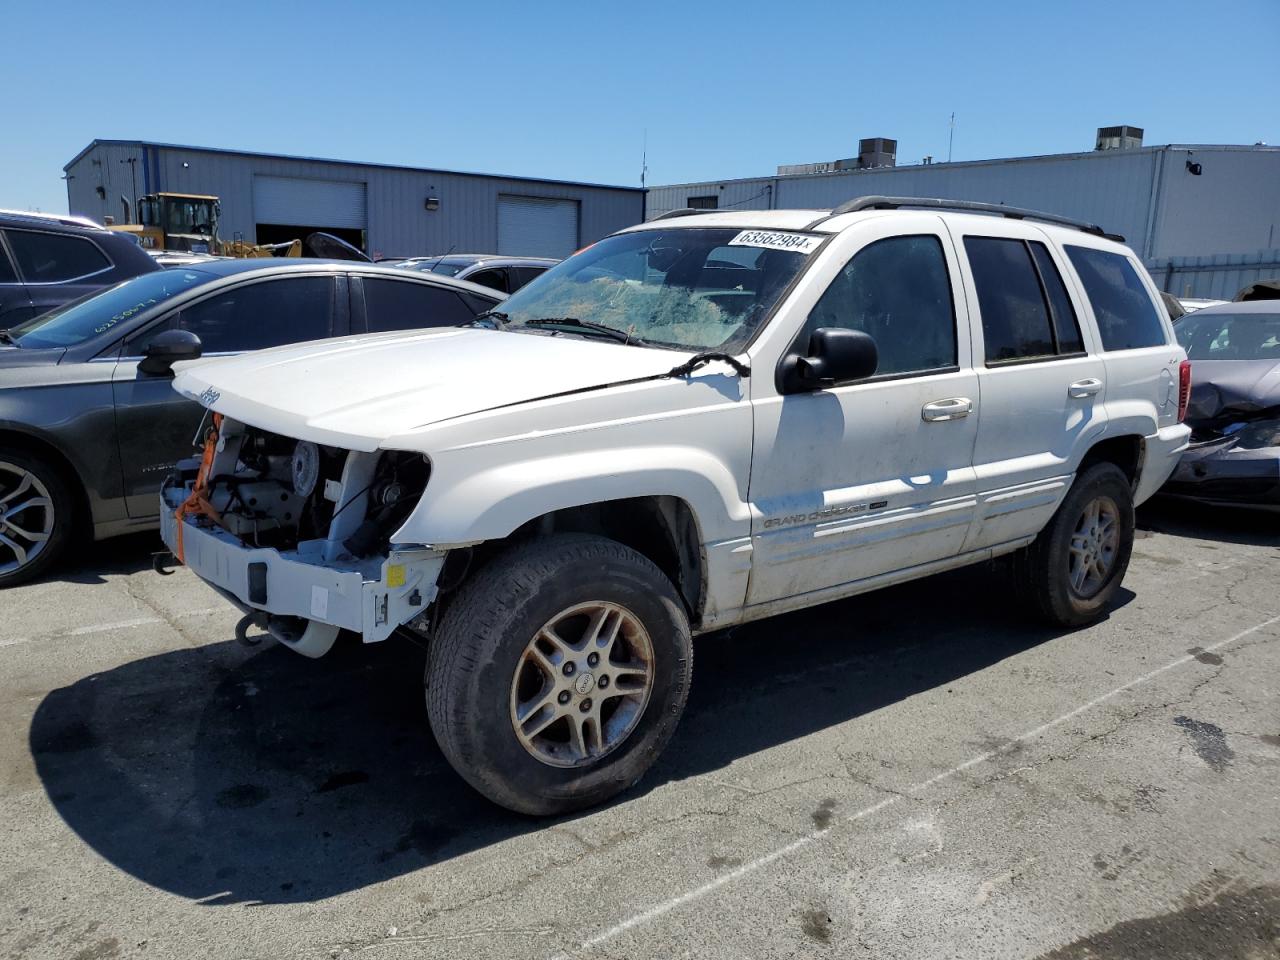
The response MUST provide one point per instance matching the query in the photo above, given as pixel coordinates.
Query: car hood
(355, 392)
(1232, 389)
(12, 357)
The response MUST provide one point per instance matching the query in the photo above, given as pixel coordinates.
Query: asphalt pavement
(916, 773)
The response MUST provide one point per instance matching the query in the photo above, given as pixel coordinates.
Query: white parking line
(107, 627)
(666, 906)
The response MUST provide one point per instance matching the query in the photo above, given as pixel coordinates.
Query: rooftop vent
(872, 152)
(1123, 137)
(877, 152)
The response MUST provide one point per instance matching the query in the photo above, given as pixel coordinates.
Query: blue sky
(567, 89)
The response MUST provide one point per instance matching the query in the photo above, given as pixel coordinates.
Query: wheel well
(14, 440)
(1125, 452)
(661, 528)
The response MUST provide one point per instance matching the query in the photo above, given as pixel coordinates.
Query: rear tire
(1071, 573)
(37, 516)
(558, 673)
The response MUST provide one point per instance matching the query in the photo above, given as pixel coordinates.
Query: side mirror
(835, 355)
(167, 349)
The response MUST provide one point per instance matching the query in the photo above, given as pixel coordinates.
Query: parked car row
(504, 274)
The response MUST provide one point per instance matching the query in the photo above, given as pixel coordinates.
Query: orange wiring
(198, 502)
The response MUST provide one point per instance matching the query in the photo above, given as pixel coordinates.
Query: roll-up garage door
(323, 203)
(537, 227)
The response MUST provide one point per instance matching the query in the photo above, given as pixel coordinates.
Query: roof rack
(685, 212)
(70, 220)
(969, 206)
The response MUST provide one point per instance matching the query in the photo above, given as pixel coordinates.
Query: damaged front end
(298, 534)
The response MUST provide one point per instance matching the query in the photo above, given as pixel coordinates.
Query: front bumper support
(371, 597)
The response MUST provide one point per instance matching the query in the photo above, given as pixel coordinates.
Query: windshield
(450, 268)
(1230, 336)
(98, 312)
(681, 288)
(188, 216)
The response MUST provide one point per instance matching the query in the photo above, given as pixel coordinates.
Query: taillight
(1184, 389)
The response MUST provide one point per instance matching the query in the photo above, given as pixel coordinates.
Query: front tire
(558, 673)
(37, 512)
(1073, 569)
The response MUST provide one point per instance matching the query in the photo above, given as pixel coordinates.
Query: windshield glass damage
(680, 288)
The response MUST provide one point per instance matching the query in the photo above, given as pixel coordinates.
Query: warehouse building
(1205, 219)
(382, 209)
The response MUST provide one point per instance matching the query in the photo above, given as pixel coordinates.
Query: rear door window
(1015, 315)
(7, 274)
(1065, 324)
(495, 279)
(405, 305)
(1127, 316)
(55, 257)
(522, 275)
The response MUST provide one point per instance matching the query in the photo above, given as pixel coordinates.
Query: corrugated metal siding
(1219, 277)
(1147, 195)
(105, 167)
(1232, 207)
(399, 225)
(1111, 189)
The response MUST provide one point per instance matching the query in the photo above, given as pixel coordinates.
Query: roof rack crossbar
(969, 206)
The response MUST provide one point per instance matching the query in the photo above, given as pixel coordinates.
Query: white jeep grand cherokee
(696, 422)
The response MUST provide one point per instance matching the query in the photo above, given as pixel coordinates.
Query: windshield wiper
(496, 315)
(613, 333)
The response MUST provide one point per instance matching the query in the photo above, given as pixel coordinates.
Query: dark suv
(46, 260)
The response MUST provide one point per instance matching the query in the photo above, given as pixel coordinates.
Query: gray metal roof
(344, 163)
(959, 164)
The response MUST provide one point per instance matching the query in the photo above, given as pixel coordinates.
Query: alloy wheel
(582, 684)
(26, 517)
(1094, 546)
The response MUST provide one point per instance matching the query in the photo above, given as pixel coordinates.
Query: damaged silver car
(1234, 412)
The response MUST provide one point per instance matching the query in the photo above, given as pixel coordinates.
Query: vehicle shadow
(1250, 526)
(229, 775)
(95, 560)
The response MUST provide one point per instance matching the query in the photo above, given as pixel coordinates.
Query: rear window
(1127, 316)
(55, 257)
(1230, 336)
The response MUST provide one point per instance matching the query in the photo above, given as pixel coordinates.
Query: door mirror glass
(835, 355)
(168, 348)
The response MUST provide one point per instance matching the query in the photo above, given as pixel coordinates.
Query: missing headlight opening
(280, 491)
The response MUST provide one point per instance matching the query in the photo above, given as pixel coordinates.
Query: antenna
(644, 157)
(951, 136)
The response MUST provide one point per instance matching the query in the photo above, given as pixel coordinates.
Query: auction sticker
(776, 240)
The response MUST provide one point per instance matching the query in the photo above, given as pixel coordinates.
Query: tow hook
(163, 563)
(258, 620)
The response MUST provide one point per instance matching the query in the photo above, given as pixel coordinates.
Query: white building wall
(1147, 195)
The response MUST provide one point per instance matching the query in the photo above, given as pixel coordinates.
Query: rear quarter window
(55, 257)
(1127, 316)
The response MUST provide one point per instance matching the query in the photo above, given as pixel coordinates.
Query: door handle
(1088, 387)
(952, 408)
